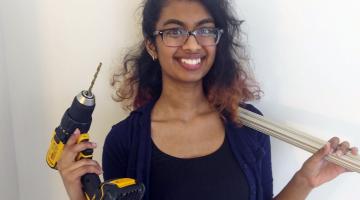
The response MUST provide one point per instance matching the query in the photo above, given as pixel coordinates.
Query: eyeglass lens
(208, 38)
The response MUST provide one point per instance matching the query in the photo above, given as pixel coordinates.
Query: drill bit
(93, 81)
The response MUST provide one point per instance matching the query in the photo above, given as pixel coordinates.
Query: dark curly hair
(226, 85)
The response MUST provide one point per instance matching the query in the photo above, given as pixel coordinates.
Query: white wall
(306, 57)
(8, 172)
(303, 53)
(52, 50)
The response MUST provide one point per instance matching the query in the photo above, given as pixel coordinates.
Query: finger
(73, 138)
(82, 163)
(321, 153)
(70, 154)
(73, 174)
(334, 142)
(342, 148)
(72, 149)
(82, 146)
(79, 172)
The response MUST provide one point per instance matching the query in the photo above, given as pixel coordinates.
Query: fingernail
(94, 144)
(339, 153)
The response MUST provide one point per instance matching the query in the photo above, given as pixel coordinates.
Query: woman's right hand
(71, 169)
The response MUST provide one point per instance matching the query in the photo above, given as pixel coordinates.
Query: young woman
(184, 139)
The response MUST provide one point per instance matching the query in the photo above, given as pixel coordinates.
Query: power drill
(79, 116)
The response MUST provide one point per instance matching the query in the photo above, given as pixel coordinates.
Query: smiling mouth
(190, 63)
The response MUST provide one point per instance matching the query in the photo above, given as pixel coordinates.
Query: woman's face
(190, 62)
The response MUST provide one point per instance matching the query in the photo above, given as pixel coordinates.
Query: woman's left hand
(316, 170)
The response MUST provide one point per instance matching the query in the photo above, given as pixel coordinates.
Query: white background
(304, 54)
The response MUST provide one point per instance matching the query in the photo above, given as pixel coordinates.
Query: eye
(174, 32)
(206, 32)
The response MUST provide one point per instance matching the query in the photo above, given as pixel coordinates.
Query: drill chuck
(79, 113)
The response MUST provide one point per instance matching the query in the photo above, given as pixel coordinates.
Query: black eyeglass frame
(194, 33)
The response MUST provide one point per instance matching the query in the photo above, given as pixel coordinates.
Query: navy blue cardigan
(127, 152)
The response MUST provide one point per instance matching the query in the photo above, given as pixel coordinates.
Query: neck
(181, 101)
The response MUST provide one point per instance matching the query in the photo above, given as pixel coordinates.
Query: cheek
(211, 54)
(166, 55)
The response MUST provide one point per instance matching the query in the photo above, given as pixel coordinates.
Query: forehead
(189, 12)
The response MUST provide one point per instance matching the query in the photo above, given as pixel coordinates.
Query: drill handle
(90, 182)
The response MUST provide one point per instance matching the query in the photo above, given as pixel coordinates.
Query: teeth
(191, 61)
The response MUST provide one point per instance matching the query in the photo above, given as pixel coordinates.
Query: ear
(151, 49)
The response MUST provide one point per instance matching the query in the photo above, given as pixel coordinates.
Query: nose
(191, 44)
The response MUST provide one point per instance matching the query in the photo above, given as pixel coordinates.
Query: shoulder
(250, 143)
(252, 134)
(119, 131)
(118, 146)
(251, 108)
(123, 131)
(118, 141)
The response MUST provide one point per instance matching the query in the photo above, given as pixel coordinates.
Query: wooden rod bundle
(297, 138)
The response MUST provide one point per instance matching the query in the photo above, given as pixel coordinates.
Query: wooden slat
(296, 138)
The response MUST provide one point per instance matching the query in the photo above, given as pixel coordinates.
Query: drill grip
(91, 183)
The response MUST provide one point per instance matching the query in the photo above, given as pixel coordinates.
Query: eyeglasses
(177, 37)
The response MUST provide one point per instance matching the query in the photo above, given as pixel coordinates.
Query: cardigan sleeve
(115, 156)
(267, 179)
(266, 166)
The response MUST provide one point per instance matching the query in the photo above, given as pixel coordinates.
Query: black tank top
(216, 176)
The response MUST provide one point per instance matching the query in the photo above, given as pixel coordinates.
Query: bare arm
(316, 171)
(296, 189)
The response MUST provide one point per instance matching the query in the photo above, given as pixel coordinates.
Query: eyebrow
(180, 23)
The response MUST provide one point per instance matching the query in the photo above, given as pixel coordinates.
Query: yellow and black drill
(79, 116)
